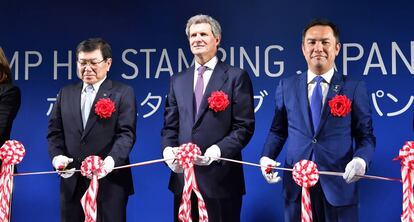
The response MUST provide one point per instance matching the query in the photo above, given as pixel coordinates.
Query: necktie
(87, 104)
(198, 91)
(316, 102)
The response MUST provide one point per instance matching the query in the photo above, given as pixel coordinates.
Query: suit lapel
(104, 92)
(218, 78)
(334, 88)
(188, 91)
(302, 88)
(76, 106)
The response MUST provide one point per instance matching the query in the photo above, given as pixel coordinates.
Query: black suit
(114, 136)
(230, 129)
(9, 106)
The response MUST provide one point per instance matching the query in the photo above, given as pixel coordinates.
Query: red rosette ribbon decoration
(406, 155)
(185, 156)
(11, 153)
(340, 105)
(218, 101)
(90, 168)
(305, 174)
(104, 108)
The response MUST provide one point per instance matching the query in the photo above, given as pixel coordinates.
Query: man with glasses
(81, 126)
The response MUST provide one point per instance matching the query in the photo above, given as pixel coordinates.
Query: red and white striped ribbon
(406, 155)
(185, 157)
(305, 174)
(90, 168)
(11, 153)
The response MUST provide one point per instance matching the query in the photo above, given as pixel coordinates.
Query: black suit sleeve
(243, 120)
(125, 132)
(55, 134)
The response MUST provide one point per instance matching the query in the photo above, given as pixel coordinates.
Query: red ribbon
(406, 155)
(90, 168)
(185, 156)
(305, 174)
(11, 153)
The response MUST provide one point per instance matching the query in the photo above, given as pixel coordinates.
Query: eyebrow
(314, 39)
(89, 59)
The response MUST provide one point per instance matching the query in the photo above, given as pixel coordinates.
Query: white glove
(60, 163)
(169, 153)
(107, 167)
(355, 167)
(211, 154)
(272, 176)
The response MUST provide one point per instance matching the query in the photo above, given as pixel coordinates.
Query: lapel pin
(104, 94)
(336, 88)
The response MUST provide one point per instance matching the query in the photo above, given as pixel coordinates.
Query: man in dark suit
(76, 131)
(188, 118)
(313, 130)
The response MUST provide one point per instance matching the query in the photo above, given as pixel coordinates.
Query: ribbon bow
(11, 153)
(185, 156)
(406, 155)
(306, 174)
(89, 168)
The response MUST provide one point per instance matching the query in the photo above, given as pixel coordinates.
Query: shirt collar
(326, 76)
(211, 64)
(95, 85)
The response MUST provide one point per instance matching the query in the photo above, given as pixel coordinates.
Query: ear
(218, 39)
(109, 63)
(337, 48)
(303, 49)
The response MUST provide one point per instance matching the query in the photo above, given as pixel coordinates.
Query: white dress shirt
(327, 77)
(207, 74)
(95, 90)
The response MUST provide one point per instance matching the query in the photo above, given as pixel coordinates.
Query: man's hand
(270, 175)
(355, 167)
(211, 154)
(170, 153)
(107, 167)
(60, 163)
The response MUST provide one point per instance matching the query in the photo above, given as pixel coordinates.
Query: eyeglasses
(92, 63)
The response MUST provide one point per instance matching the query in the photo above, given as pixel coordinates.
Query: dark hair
(321, 22)
(93, 44)
(5, 71)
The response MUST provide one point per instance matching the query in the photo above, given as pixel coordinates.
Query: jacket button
(314, 140)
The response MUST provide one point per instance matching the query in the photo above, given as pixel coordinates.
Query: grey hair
(198, 19)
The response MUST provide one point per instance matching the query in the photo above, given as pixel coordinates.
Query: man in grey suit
(77, 130)
(218, 133)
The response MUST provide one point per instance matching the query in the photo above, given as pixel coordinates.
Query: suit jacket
(114, 136)
(336, 141)
(230, 129)
(9, 106)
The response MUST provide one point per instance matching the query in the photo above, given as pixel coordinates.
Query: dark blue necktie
(316, 102)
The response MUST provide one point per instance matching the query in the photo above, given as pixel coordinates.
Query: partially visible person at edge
(9, 99)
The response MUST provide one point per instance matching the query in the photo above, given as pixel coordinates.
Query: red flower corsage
(218, 101)
(340, 105)
(104, 108)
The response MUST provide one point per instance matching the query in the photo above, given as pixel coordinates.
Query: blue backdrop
(149, 44)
